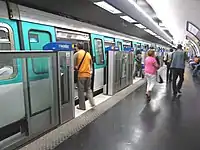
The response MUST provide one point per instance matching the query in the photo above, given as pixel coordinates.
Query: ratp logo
(64, 46)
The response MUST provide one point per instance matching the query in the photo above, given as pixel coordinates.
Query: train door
(75, 38)
(123, 62)
(108, 42)
(135, 49)
(129, 61)
(12, 106)
(119, 43)
(127, 44)
(98, 50)
(42, 102)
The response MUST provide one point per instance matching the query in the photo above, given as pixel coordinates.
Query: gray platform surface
(60, 134)
(166, 123)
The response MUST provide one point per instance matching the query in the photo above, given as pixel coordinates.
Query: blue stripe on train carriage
(59, 46)
(112, 48)
(129, 49)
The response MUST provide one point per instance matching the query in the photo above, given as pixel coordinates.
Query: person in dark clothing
(160, 78)
(178, 67)
(168, 61)
(138, 60)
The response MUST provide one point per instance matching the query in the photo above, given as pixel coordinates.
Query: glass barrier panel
(12, 106)
(40, 84)
(28, 95)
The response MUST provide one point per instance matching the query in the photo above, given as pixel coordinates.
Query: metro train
(30, 29)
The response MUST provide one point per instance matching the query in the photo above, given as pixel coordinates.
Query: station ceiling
(86, 11)
(176, 13)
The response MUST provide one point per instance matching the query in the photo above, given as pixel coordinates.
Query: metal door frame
(67, 110)
(54, 109)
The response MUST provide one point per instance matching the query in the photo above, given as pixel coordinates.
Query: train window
(109, 44)
(119, 44)
(4, 39)
(74, 38)
(99, 51)
(8, 69)
(37, 39)
(127, 44)
(33, 38)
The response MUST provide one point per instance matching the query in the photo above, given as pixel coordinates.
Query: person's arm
(136, 58)
(157, 60)
(172, 56)
(75, 60)
(91, 65)
(166, 58)
(156, 65)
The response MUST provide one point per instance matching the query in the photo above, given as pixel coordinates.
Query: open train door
(98, 50)
(74, 37)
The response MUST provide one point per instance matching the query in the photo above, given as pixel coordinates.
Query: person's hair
(171, 50)
(151, 52)
(79, 46)
(138, 52)
(179, 46)
(151, 47)
(174, 48)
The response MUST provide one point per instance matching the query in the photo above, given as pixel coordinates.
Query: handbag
(77, 69)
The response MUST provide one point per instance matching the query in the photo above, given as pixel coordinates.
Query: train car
(30, 29)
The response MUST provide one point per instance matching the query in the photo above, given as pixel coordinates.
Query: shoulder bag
(77, 69)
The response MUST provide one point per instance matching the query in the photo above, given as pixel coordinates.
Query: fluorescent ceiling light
(161, 24)
(140, 26)
(158, 36)
(146, 15)
(107, 7)
(164, 28)
(150, 32)
(129, 19)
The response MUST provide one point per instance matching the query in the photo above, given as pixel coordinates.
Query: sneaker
(179, 91)
(80, 108)
(92, 104)
(148, 98)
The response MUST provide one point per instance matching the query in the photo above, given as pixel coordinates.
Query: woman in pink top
(151, 67)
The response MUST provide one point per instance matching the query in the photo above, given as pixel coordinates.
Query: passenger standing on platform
(178, 67)
(83, 62)
(138, 61)
(168, 61)
(151, 66)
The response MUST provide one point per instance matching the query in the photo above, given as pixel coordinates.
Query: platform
(166, 123)
(126, 122)
(82, 118)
